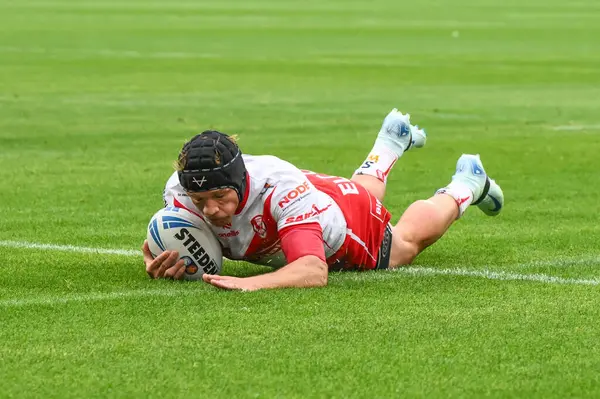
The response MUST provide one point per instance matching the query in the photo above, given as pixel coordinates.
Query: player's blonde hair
(179, 163)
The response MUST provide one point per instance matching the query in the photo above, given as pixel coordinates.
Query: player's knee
(372, 184)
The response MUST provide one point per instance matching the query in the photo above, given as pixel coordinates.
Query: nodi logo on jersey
(294, 193)
(197, 252)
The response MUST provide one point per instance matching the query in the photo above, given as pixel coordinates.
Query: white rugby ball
(176, 229)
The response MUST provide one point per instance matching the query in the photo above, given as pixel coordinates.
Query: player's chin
(219, 222)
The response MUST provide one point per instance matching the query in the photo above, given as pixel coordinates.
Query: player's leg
(395, 137)
(425, 221)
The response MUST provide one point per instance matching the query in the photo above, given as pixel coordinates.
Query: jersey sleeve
(297, 207)
(297, 202)
(309, 235)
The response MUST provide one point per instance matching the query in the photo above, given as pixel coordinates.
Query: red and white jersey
(278, 195)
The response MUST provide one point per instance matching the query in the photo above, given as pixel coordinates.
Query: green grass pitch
(97, 97)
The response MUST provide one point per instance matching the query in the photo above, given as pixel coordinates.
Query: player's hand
(165, 265)
(230, 282)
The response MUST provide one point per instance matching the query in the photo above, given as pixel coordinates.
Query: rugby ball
(176, 229)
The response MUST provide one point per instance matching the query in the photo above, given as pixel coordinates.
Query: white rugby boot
(397, 132)
(470, 178)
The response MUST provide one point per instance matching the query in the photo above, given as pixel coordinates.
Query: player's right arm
(166, 264)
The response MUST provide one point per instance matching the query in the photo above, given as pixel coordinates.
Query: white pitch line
(415, 271)
(581, 260)
(69, 248)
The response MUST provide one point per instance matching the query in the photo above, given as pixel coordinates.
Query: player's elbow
(316, 270)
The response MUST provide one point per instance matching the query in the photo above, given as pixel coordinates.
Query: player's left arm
(303, 247)
(301, 238)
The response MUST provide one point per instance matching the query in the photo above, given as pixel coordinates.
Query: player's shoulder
(266, 165)
(173, 181)
(274, 171)
(275, 177)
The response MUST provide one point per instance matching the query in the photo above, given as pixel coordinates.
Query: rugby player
(266, 211)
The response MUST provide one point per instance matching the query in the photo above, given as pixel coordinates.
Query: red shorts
(367, 221)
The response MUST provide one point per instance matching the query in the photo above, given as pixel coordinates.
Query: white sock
(385, 141)
(379, 163)
(461, 193)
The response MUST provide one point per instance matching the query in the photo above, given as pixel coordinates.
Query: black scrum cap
(211, 160)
